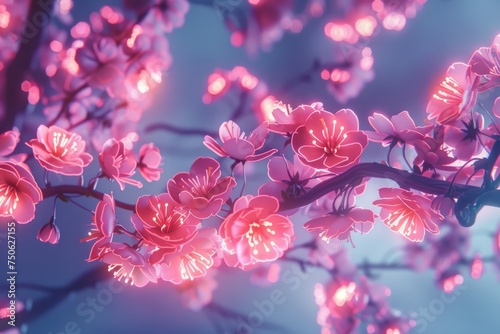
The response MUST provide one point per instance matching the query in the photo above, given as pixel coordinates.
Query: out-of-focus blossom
(264, 26)
(118, 163)
(476, 267)
(266, 274)
(397, 130)
(60, 151)
(192, 260)
(163, 223)
(254, 232)
(201, 191)
(8, 143)
(455, 96)
(125, 262)
(330, 141)
(390, 323)
(49, 233)
(287, 120)
(19, 193)
(198, 293)
(102, 63)
(168, 14)
(407, 213)
(236, 145)
(149, 162)
(346, 79)
(339, 225)
(449, 280)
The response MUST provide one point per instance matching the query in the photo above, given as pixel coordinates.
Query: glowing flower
(287, 120)
(163, 223)
(455, 96)
(60, 151)
(407, 213)
(236, 145)
(148, 162)
(8, 142)
(126, 262)
(330, 141)
(399, 129)
(201, 190)
(192, 261)
(118, 163)
(168, 13)
(339, 225)
(18, 193)
(254, 232)
(104, 220)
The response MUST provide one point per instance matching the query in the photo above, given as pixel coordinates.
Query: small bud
(49, 233)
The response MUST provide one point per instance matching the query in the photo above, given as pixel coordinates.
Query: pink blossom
(148, 162)
(163, 223)
(118, 163)
(455, 96)
(198, 293)
(8, 143)
(49, 233)
(254, 232)
(104, 219)
(496, 107)
(19, 193)
(287, 180)
(102, 63)
(399, 129)
(339, 225)
(432, 152)
(125, 261)
(407, 213)
(287, 120)
(169, 14)
(330, 141)
(192, 261)
(201, 191)
(486, 62)
(60, 151)
(236, 145)
(462, 136)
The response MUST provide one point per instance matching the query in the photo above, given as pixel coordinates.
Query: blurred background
(407, 65)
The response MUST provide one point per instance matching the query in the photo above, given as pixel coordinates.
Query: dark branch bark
(403, 178)
(38, 18)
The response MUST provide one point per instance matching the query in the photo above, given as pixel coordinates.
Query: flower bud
(49, 233)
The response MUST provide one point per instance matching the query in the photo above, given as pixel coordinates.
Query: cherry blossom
(254, 232)
(198, 293)
(201, 191)
(192, 261)
(8, 143)
(125, 262)
(398, 129)
(339, 225)
(149, 162)
(287, 180)
(486, 62)
(163, 223)
(407, 213)
(169, 14)
(287, 120)
(330, 141)
(236, 145)
(60, 151)
(455, 96)
(19, 193)
(118, 163)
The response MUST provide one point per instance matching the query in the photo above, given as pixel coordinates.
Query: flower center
(331, 139)
(62, 144)
(256, 235)
(8, 199)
